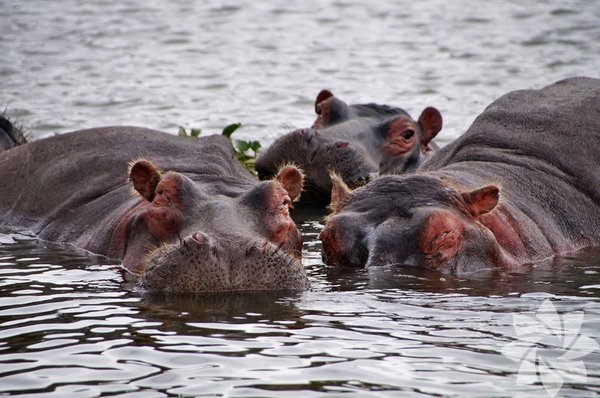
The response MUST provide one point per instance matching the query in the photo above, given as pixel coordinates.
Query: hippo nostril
(201, 238)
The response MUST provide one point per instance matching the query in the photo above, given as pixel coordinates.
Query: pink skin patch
(506, 230)
(163, 222)
(441, 239)
(332, 245)
(324, 115)
(165, 216)
(278, 218)
(168, 192)
(323, 109)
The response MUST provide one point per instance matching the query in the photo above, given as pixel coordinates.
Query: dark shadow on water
(303, 212)
(233, 308)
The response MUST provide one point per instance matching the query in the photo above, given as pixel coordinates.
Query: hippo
(180, 213)
(354, 141)
(522, 184)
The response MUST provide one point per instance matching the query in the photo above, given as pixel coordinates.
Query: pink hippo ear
(339, 193)
(322, 96)
(441, 238)
(431, 124)
(482, 200)
(144, 176)
(291, 179)
(323, 109)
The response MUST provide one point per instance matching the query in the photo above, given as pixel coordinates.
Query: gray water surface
(71, 325)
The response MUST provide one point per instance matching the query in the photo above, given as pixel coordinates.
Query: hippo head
(318, 156)
(411, 220)
(182, 238)
(354, 142)
(401, 144)
(406, 143)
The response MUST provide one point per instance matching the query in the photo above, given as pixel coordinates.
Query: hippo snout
(207, 263)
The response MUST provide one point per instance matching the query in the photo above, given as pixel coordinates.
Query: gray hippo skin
(352, 141)
(205, 224)
(522, 184)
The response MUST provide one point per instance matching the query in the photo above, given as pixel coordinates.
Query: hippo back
(556, 128)
(542, 148)
(71, 187)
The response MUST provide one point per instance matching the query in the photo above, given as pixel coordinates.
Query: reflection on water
(573, 271)
(71, 325)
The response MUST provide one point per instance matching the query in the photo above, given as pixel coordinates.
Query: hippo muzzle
(206, 263)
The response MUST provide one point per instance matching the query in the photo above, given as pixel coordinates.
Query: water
(71, 325)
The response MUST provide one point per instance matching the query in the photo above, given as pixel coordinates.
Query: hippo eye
(408, 134)
(287, 203)
(282, 209)
(284, 206)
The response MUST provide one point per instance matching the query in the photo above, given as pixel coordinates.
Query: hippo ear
(291, 179)
(322, 96)
(339, 193)
(431, 124)
(145, 176)
(482, 200)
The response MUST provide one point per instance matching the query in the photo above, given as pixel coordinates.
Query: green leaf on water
(245, 150)
(229, 130)
(255, 146)
(242, 145)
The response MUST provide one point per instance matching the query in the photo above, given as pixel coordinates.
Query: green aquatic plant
(193, 132)
(245, 150)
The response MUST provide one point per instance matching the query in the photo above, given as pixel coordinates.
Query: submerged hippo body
(522, 184)
(352, 141)
(205, 224)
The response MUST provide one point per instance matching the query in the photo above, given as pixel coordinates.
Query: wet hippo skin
(181, 213)
(353, 141)
(522, 184)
